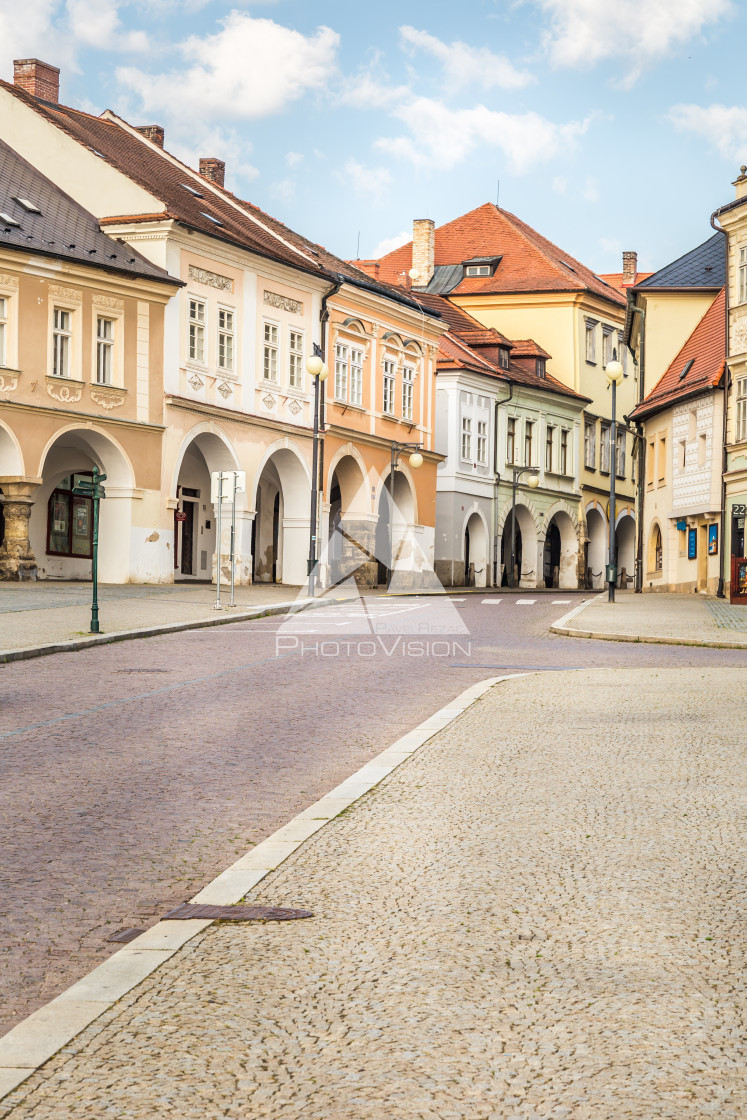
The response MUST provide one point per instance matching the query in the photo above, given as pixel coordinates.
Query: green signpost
(95, 491)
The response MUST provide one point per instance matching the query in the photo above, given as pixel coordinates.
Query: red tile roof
(706, 349)
(617, 279)
(530, 263)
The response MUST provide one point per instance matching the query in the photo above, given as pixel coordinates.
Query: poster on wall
(692, 543)
(713, 540)
(81, 520)
(59, 515)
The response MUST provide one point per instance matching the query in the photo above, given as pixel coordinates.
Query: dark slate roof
(704, 267)
(63, 229)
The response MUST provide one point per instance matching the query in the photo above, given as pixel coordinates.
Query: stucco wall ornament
(268, 401)
(67, 392)
(8, 281)
(210, 279)
(108, 397)
(740, 336)
(196, 382)
(56, 291)
(294, 407)
(273, 299)
(225, 390)
(108, 301)
(8, 381)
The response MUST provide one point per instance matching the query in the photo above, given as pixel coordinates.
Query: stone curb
(27, 1046)
(562, 627)
(75, 644)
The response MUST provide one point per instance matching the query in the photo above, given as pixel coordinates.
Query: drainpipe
(641, 447)
(496, 483)
(722, 551)
(323, 319)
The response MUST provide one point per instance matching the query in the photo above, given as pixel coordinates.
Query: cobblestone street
(534, 917)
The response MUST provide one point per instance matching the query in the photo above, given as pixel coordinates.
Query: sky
(605, 124)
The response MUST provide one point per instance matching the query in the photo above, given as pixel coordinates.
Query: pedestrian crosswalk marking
(491, 600)
(557, 602)
(524, 602)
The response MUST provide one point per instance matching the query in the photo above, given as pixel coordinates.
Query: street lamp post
(615, 373)
(316, 367)
(416, 461)
(95, 491)
(533, 482)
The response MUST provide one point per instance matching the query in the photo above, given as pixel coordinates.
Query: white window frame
(408, 389)
(477, 270)
(620, 453)
(482, 442)
(564, 449)
(511, 440)
(62, 342)
(389, 387)
(742, 275)
(466, 439)
(296, 351)
(4, 329)
(607, 346)
(270, 351)
(342, 371)
(9, 349)
(105, 350)
(226, 337)
(605, 448)
(528, 442)
(357, 359)
(740, 426)
(590, 444)
(196, 331)
(591, 342)
(549, 447)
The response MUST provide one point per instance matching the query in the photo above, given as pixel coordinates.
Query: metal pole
(392, 464)
(95, 550)
(612, 572)
(232, 602)
(513, 528)
(314, 483)
(218, 606)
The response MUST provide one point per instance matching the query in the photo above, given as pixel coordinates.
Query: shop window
(70, 520)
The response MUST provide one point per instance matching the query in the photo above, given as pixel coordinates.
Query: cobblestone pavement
(45, 613)
(132, 774)
(535, 917)
(665, 616)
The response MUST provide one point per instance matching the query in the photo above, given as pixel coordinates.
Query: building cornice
(73, 414)
(227, 415)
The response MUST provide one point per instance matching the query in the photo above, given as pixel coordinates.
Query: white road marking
(492, 600)
(524, 602)
(557, 602)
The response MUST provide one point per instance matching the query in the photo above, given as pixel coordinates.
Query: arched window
(655, 551)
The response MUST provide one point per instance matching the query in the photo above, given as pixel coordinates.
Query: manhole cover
(125, 935)
(235, 913)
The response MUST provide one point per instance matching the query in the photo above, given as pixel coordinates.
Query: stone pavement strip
(534, 916)
(661, 618)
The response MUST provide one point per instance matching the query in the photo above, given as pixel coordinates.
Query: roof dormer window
(477, 270)
(480, 266)
(541, 367)
(503, 357)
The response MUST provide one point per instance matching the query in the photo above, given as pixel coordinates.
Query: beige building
(81, 375)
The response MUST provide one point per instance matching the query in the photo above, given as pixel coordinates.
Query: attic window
(568, 266)
(28, 206)
(687, 367)
(6, 220)
(477, 270)
(503, 357)
(540, 367)
(211, 218)
(192, 190)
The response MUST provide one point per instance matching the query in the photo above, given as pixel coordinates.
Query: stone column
(17, 560)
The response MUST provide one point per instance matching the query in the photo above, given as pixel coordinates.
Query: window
(466, 438)
(742, 276)
(590, 444)
(528, 433)
(477, 270)
(62, 331)
(482, 441)
(104, 350)
(408, 374)
(658, 550)
(503, 356)
(295, 360)
(622, 352)
(511, 441)
(620, 453)
(270, 355)
(3, 331)
(591, 341)
(197, 331)
(389, 388)
(70, 519)
(604, 458)
(341, 372)
(225, 339)
(549, 441)
(540, 367)
(683, 454)
(564, 451)
(650, 464)
(356, 376)
(741, 424)
(662, 460)
(606, 345)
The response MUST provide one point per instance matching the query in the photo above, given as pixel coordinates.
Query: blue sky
(610, 124)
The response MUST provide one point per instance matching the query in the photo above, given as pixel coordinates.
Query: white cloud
(371, 183)
(218, 81)
(27, 32)
(590, 191)
(723, 126)
(585, 32)
(370, 88)
(560, 184)
(464, 65)
(388, 244)
(284, 189)
(96, 23)
(293, 159)
(443, 137)
(612, 247)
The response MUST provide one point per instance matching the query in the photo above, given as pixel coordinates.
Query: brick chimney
(423, 251)
(630, 267)
(37, 78)
(213, 169)
(153, 132)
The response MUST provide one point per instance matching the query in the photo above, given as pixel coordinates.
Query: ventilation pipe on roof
(37, 78)
(423, 252)
(153, 132)
(214, 170)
